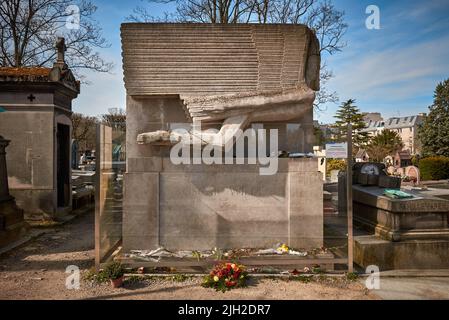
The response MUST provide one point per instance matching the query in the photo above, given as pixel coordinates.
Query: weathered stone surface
(305, 191)
(389, 182)
(31, 159)
(421, 202)
(367, 179)
(216, 60)
(432, 192)
(141, 210)
(12, 224)
(206, 206)
(36, 101)
(342, 194)
(204, 210)
(235, 74)
(421, 217)
(410, 254)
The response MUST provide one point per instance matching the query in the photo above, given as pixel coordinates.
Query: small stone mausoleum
(228, 78)
(36, 117)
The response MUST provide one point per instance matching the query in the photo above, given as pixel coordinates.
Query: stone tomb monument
(38, 107)
(408, 233)
(229, 78)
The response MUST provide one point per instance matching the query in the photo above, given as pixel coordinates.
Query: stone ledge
(410, 254)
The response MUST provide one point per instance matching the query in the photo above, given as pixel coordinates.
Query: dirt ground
(37, 271)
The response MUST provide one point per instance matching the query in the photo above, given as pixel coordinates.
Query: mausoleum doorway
(63, 165)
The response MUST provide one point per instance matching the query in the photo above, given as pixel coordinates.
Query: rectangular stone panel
(141, 211)
(305, 210)
(201, 211)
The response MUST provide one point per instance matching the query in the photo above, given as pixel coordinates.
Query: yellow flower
(283, 248)
(216, 279)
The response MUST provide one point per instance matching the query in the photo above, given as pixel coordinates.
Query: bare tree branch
(29, 29)
(84, 131)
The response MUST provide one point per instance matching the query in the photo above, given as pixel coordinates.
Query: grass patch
(95, 277)
(179, 277)
(352, 276)
(301, 278)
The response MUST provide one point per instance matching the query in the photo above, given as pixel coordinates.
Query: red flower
(294, 272)
(230, 283)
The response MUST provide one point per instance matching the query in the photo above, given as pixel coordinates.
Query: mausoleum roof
(27, 72)
(39, 75)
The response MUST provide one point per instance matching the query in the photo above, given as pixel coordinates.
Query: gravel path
(37, 271)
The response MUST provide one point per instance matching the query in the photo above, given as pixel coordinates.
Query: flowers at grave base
(226, 276)
(283, 248)
(295, 272)
(317, 269)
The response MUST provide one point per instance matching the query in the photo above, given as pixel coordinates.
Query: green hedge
(434, 168)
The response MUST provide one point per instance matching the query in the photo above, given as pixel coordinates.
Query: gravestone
(365, 174)
(413, 174)
(404, 233)
(410, 233)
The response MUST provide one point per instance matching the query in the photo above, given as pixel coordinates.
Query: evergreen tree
(434, 132)
(349, 113)
(320, 139)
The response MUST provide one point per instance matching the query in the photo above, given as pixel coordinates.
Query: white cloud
(105, 91)
(401, 69)
(420, 9)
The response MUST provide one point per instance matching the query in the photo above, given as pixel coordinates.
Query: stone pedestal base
(199, 207)
(12, 225)
(423, 217)
(410, 254)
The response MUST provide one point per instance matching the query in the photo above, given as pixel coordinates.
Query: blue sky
(393, 70)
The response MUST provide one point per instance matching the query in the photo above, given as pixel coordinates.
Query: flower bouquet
(226, 276)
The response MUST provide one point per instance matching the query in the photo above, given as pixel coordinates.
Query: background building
(406, 127)
(372, 116)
